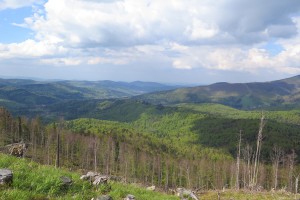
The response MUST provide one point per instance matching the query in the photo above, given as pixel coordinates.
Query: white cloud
(14, 4)
(29, 49)
(225, 35)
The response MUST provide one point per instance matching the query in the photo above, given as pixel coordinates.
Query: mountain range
(279, 93)
(19, 93)
(22, 96)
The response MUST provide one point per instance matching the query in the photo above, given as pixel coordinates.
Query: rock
(130, 197)
(103, 197)
(184, 193)
(100, 180)
(91, 174)
(66, 180)
(6, 177)
(151, 188)
(84, 177)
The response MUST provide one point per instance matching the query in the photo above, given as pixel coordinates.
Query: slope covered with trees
(167, 147)
(30, 95)
(281, 93)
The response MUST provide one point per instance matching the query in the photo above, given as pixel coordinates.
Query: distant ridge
(18, 93)
(285, 92)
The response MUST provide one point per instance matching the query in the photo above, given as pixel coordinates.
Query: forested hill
(281, 93)
(20, 93)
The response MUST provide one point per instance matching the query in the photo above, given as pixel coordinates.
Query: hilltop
(256, 95)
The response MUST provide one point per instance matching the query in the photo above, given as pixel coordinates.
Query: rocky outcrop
(6, 177)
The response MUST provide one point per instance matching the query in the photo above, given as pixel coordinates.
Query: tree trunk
(257, 152)
(238, 162)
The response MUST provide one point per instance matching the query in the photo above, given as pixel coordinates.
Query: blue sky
(168, 41)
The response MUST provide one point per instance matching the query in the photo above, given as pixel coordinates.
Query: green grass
(37, 182)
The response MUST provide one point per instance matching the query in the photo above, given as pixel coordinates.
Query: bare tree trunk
(291, 163)
(276, 157)
(296, 184)
(95, 154)
(237, 183)
(57, 149)
(257, 152)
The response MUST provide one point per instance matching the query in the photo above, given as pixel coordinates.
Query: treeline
(117, 149)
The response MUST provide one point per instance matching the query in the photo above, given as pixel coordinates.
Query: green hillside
(208, 125)
(238, 95)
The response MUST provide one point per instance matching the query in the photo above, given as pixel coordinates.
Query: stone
(66, 180)
(151, 188)
(130, 197)
(100, 180)
(91, 174)
(184, 193)
(6, 177)
(84, 177)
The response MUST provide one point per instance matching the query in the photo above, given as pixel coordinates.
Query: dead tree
(238, 162)
(257, 152)
(277, 158)
(291, 165)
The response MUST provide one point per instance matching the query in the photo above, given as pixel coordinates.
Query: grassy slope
(34, 181)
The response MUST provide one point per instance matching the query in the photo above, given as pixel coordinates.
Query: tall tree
(238, 162)
(258, 150)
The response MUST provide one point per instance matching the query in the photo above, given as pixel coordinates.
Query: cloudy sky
(170, 41)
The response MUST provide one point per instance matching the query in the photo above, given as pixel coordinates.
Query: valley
(165, 142)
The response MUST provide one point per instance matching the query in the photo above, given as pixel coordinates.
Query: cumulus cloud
(91, 23)
(224, 35)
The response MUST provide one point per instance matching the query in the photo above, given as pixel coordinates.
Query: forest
(191, 146)
(203, 143)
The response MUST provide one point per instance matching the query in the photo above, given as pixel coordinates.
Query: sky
(169, 41)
